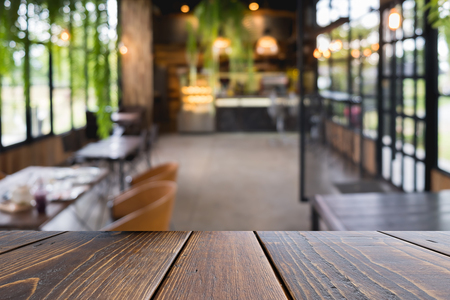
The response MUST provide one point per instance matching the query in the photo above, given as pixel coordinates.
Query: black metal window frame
(395, 113)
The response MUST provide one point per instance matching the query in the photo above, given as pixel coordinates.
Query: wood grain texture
(356, 265)
(438, 241)
(221, 265)
(90, 265)
(137, 64)
(10, 240)
(385, 211)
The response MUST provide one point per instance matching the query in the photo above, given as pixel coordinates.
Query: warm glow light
(375, 47)
(317, 54)
(185, 8)
(123, 49)
(253, 6)
(367, 52)
(65, 36)
(394, 20)
(221, 43)
(355, 53)
(196, 90)
(336, 46)
(267, 45)
(327, 54)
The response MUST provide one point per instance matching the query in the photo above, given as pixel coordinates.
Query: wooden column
(137, 63)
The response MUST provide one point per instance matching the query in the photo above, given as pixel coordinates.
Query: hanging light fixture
(267, 45)
(185, 8)
(253, 6)
(394, 19)
(221, 43)
(355, 53)
(327, 54)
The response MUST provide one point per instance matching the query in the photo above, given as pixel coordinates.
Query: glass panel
(397, 170)
(386, 130)
(444, 134)
(420, 135)
(420, 16)
(420, 176)
(386, 94)
(408, 136)
(14, 126)
(370, 117)
(79, 94)
(399, 132)
(408, 174)
(339, 76)
(408, 97)
(388, 52)
(386, 166)
(420, 45)
(444, 66)
(408, 17)
(399, 55)
(421, 98)
(408, 48)
(61, 92)
(39, 91)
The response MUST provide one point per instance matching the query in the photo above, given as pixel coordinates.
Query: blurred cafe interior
(224, 115)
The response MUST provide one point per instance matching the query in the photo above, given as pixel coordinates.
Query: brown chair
(141, 196)
(167, 171)
(152, 215)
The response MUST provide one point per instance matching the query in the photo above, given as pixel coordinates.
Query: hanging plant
(224, 18)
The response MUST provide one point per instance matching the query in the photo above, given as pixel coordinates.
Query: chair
(152, 203)
(167, 171)
(141, 196)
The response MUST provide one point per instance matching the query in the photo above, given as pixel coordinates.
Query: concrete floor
(232, 182)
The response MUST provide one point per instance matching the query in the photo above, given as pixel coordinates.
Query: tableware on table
(21, 195)
(40, 196)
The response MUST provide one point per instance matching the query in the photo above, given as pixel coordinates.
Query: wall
(439, 181)
(137, 63)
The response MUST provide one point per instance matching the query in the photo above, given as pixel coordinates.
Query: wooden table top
(31, 219)
(380, 211)
(224, 265)
(112, 148)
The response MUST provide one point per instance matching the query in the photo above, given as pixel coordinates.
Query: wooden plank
(356, 265)
(10, 240)
(90, 265)
(438, 241)
(221, 265)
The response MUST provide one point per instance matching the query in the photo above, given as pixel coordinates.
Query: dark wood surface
(381, 211)
(10, 240)
(224, 265)
(31, 219)
(356, 265)
(90, 265)
(112, 148)
(221, 265)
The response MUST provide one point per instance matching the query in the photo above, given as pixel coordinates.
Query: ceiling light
(327, 54)
(185, 8)
(267, 45)
(394, 20)
(253, 6)
(123, 49)
(221, 43)
(355, 53)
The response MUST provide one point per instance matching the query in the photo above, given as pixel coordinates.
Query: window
(444, 103)
(48, 53)
(403, 96)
